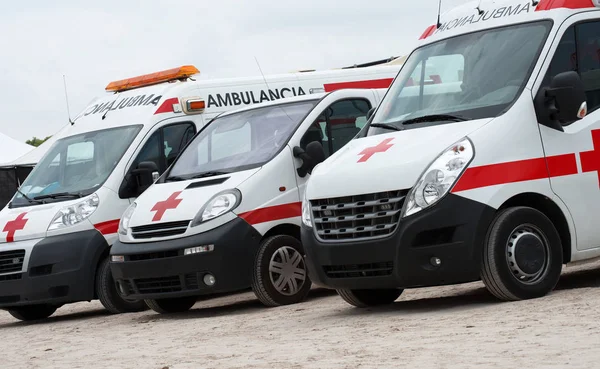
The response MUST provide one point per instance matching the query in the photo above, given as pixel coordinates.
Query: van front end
(174, 272)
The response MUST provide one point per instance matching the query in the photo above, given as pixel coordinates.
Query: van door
(161, 148)
(336, 124)
(574, 165)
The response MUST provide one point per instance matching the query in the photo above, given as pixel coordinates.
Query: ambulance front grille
(357, 217)
(160, 229)
(11, 261)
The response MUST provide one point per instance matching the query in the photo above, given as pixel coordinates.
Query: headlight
(125, 218)
(306, 217)
(73, 214)
(220, 204)
(438, 179)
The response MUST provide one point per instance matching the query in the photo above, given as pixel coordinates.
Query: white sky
(95, 43)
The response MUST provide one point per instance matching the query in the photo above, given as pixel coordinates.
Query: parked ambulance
(226, 215)
(492, 176)
(56, 232)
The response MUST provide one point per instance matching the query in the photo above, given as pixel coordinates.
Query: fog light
(435, 261)
(117, 258)
(209, 279)
(199, 249)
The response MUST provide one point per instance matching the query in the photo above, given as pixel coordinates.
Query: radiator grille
(358, 217)
(160, 229)
(11, 261)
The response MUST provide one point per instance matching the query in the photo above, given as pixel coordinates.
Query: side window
(579, 50)
(175, 138)
(565, 58)
(588, 58)
(164, 145)
(340, 123)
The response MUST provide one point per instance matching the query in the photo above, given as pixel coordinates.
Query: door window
(338, 124)
(164, 145)
(579, 50)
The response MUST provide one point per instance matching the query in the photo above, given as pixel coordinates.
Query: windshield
(240, 141)
(472, 76)
(75, 166)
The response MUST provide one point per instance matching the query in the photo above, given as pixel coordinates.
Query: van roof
(477, 15)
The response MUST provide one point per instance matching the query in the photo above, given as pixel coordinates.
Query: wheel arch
(287, 229)
(550, 209)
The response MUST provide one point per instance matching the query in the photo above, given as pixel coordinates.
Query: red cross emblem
(14, 225)
(162, 206)
(370, 151)
(590, 160)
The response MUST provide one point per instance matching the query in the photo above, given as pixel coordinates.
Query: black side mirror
(313, 155)
(370, 113)
(563, 102)
(146, 173)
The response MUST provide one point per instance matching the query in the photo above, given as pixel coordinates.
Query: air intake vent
(160, 230)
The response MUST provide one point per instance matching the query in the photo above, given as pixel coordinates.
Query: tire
(280, 276)
(32, 312)
(106, 289)
(172, 305)
(367, 298)
(522, 255)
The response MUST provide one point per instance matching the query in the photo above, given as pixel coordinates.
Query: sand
(444, 327)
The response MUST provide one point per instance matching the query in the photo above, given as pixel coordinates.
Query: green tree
(36, 141)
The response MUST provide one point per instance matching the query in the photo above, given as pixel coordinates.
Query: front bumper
(453, 230)
(56, 270)
(154, 270)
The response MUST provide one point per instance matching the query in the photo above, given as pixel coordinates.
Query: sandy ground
(449, 327)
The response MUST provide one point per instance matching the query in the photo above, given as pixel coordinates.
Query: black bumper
(452, 230)
(61, 270)
(155, 270)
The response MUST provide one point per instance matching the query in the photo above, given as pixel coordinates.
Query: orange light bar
(152, 79)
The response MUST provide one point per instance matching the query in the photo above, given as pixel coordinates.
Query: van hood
(178, 201)
(386, 162)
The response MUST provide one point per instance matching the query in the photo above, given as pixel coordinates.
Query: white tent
(11, 149)
(33, 156)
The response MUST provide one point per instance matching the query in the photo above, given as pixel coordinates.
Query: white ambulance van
(491, 175)
(226, 215)
(56, 233)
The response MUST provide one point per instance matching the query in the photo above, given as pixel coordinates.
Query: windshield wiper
(58, 195)
(34, 200)
(387, 126)
(175, 179)
(435, 118)
(208, 174)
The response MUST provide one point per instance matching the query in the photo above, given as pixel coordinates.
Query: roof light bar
(153, 78)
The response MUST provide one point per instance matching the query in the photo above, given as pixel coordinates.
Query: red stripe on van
(272, 213)
(516, 171)
(373, 83)
(167, 106)
(110, 227)
(570, 4)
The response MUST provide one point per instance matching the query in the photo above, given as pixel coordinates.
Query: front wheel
(280, 276)
(109, 296)
(367, 298)
(172, 305)
(32, 312)
(522, 256)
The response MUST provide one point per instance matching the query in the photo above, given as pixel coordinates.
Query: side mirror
(370, 113)
(146, 173)
(563, 102)
(313, 155)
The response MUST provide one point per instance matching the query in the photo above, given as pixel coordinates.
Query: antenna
(479, 8)
(261, 73)
(439, 24)
(67, 100)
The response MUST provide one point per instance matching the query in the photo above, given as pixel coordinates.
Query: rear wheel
(108, 295)
(280, 276)
(33, 312)
(522, 256)
(366, 298)
(172, 305)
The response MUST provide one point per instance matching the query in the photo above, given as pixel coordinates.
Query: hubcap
(527, 254)
(287, 270)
